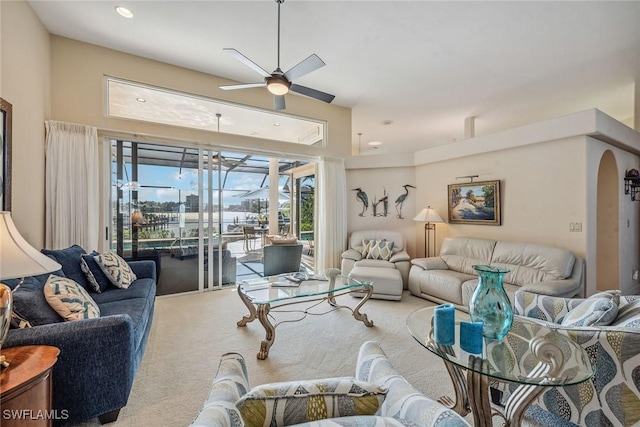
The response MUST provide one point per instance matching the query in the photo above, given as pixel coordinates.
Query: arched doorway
(608, 227)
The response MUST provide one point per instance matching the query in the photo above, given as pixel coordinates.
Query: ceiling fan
(278, 82)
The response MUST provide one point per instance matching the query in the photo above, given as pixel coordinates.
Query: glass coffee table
(531, 355)
(269, 295)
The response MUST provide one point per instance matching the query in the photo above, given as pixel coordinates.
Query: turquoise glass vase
(490, 303)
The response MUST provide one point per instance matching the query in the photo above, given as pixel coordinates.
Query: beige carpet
(190, 332)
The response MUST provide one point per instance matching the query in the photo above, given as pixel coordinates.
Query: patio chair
(279, 259)
(250, 236)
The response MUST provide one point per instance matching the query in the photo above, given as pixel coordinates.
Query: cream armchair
(354, 256)
(612, 396)
(401, 406)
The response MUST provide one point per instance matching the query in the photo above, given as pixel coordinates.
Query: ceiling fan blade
(243, 86)
(278, 103)
(311, 63)
(303, 90)
(246, 61)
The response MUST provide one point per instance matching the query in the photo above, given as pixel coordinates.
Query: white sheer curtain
(72, 189)
(331, 213)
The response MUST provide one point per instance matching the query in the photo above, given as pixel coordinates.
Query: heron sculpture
(400, 200)
(362, 197)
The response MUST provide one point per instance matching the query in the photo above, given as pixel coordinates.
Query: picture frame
(475, 203)
(6, 111)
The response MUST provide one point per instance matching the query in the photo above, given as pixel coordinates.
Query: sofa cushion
(139, 309)
(529, 263)
(69, 259)
(141, 288)
(445, 284)
(70, 300)
(287, 403)
(98, 281)
(30, 307)
(598, 310)
(462, 253)
(116, 269)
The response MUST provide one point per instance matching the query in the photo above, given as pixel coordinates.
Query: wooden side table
(25, 386)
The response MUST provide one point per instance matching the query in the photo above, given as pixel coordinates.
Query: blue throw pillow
(30, 307)
(69, 258)
(98, 281)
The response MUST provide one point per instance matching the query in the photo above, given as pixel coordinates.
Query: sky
(186, 183)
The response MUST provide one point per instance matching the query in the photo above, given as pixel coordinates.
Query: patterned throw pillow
(593, 311)
(116, 269)
(288, 403)
(628, 314)
(70, 300)
(380, 249)
(98, 281)
(366, 245)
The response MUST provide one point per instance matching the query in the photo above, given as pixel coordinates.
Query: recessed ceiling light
(141, 100)
(375, 143)
(276, 124)
(124, 12)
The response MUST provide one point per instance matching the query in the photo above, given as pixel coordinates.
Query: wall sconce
(430, 217)
(632, 183)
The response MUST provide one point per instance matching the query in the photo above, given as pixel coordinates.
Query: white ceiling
(424, 65)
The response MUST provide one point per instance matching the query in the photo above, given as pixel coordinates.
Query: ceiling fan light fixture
(278, 86)
(124, 12)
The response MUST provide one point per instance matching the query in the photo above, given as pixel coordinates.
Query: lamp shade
(17, 257)
(428, 215)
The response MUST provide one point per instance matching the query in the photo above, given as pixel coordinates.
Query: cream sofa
(540, 269)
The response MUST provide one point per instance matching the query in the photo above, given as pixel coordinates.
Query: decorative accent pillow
(593, 311)
(30, 307)
(380, 249)
(628, 314)
(287, 403)
(69, 259)
(116, 269)
(70, 300)
(98, 281)
(276, 239)
(366, 245)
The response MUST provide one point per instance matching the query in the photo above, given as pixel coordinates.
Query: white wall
(25, 83)
(548, 173)
(373, 182)
(629, 216)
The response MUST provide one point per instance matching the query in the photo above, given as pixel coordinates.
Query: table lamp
(18, 259)
(429, 216)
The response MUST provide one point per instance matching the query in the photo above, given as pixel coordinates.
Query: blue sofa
(98, 357)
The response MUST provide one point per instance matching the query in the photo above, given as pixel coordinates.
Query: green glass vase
(490, 303)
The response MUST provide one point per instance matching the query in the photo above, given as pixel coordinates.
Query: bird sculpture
(362, 197)
(400, 200)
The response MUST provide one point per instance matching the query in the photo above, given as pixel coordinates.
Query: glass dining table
(532, 355)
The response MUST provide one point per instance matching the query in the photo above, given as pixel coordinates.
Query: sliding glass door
(189, 210)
